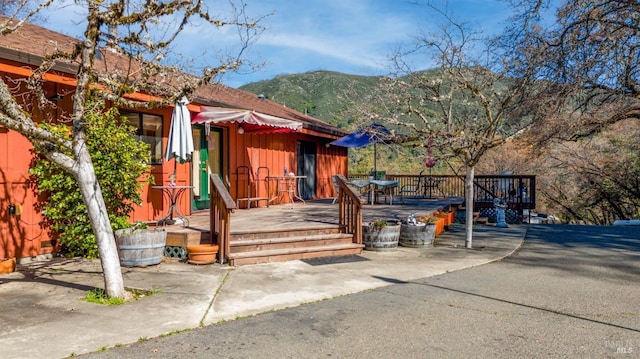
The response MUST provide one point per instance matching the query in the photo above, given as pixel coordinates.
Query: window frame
(156, 154)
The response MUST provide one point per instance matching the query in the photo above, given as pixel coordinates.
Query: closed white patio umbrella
(180, 144)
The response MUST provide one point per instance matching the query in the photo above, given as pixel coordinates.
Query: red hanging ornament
(430, 162)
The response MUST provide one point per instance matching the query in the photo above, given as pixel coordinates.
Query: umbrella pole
(172, 181)
(375, 159)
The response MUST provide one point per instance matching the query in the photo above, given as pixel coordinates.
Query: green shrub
(119, 161)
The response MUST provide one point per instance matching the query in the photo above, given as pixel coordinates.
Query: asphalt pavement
(568, 292)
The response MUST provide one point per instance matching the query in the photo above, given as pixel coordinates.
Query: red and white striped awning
(252, 121)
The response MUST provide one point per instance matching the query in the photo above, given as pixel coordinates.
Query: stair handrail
(350, 209)
(221, 205)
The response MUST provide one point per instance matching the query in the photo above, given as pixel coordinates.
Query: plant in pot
(419, 234)
(439, 223)
(381, 235)
(139, 245)
(448, 216)
(202, 253)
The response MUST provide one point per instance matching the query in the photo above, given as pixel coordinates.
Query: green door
(207, 159)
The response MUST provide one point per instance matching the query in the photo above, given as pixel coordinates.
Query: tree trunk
(101, 225)
(468, 200)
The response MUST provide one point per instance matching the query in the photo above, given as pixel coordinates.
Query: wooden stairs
(476, 216)
(270, 245)
(278, 245)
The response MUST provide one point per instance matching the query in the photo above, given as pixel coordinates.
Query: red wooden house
(243, 155)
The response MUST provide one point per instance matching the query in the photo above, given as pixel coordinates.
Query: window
(149, 130)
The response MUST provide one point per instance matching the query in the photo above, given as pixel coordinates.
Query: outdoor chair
(415, 188)
(378, 175)
(362, 192)
(336, 188)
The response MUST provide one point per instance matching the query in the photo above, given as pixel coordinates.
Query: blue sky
(350, 36)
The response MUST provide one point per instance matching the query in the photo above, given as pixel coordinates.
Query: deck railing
(221, 205)
(350, 213)
(519, 191)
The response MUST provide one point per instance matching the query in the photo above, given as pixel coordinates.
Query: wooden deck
(313, 214)
(283, 232)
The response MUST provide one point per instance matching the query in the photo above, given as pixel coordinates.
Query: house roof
(30, 43)
(224, 96)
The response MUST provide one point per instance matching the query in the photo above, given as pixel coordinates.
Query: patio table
(375, 186)
(387, 187)
(173, 194)
(287, 186)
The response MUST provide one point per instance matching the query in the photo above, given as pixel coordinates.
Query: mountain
(321, 94)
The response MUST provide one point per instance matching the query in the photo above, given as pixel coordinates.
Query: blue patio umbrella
(370, 135)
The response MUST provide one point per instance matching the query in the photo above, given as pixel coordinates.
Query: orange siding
(331, 160)
(154, 204)
(25, 235)
(277, 152)
(20, 236)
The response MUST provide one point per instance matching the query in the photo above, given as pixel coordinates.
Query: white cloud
(358, 33)
(341, 49)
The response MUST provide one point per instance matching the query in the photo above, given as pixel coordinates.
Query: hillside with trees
(567, 113)
(321, 94)
(576, 179)
(330, 96)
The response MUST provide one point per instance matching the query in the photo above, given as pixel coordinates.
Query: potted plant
(7, 265)
(419, 235)
(439, 222)
(140, 246)
(381, 235)
(448, 216)
(202, 253)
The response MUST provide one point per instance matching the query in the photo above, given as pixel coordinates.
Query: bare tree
(460, 107)
(123, 51)
(582, 70)
(582, 76)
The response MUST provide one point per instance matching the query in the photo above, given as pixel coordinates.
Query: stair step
(481, 220)
(238, 235)
(475, 214)
(312, 240)
(286, 254)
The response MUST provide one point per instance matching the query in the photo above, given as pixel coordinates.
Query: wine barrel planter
(381, 238)
(141, 247)
(202, 253)
(419, 236)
